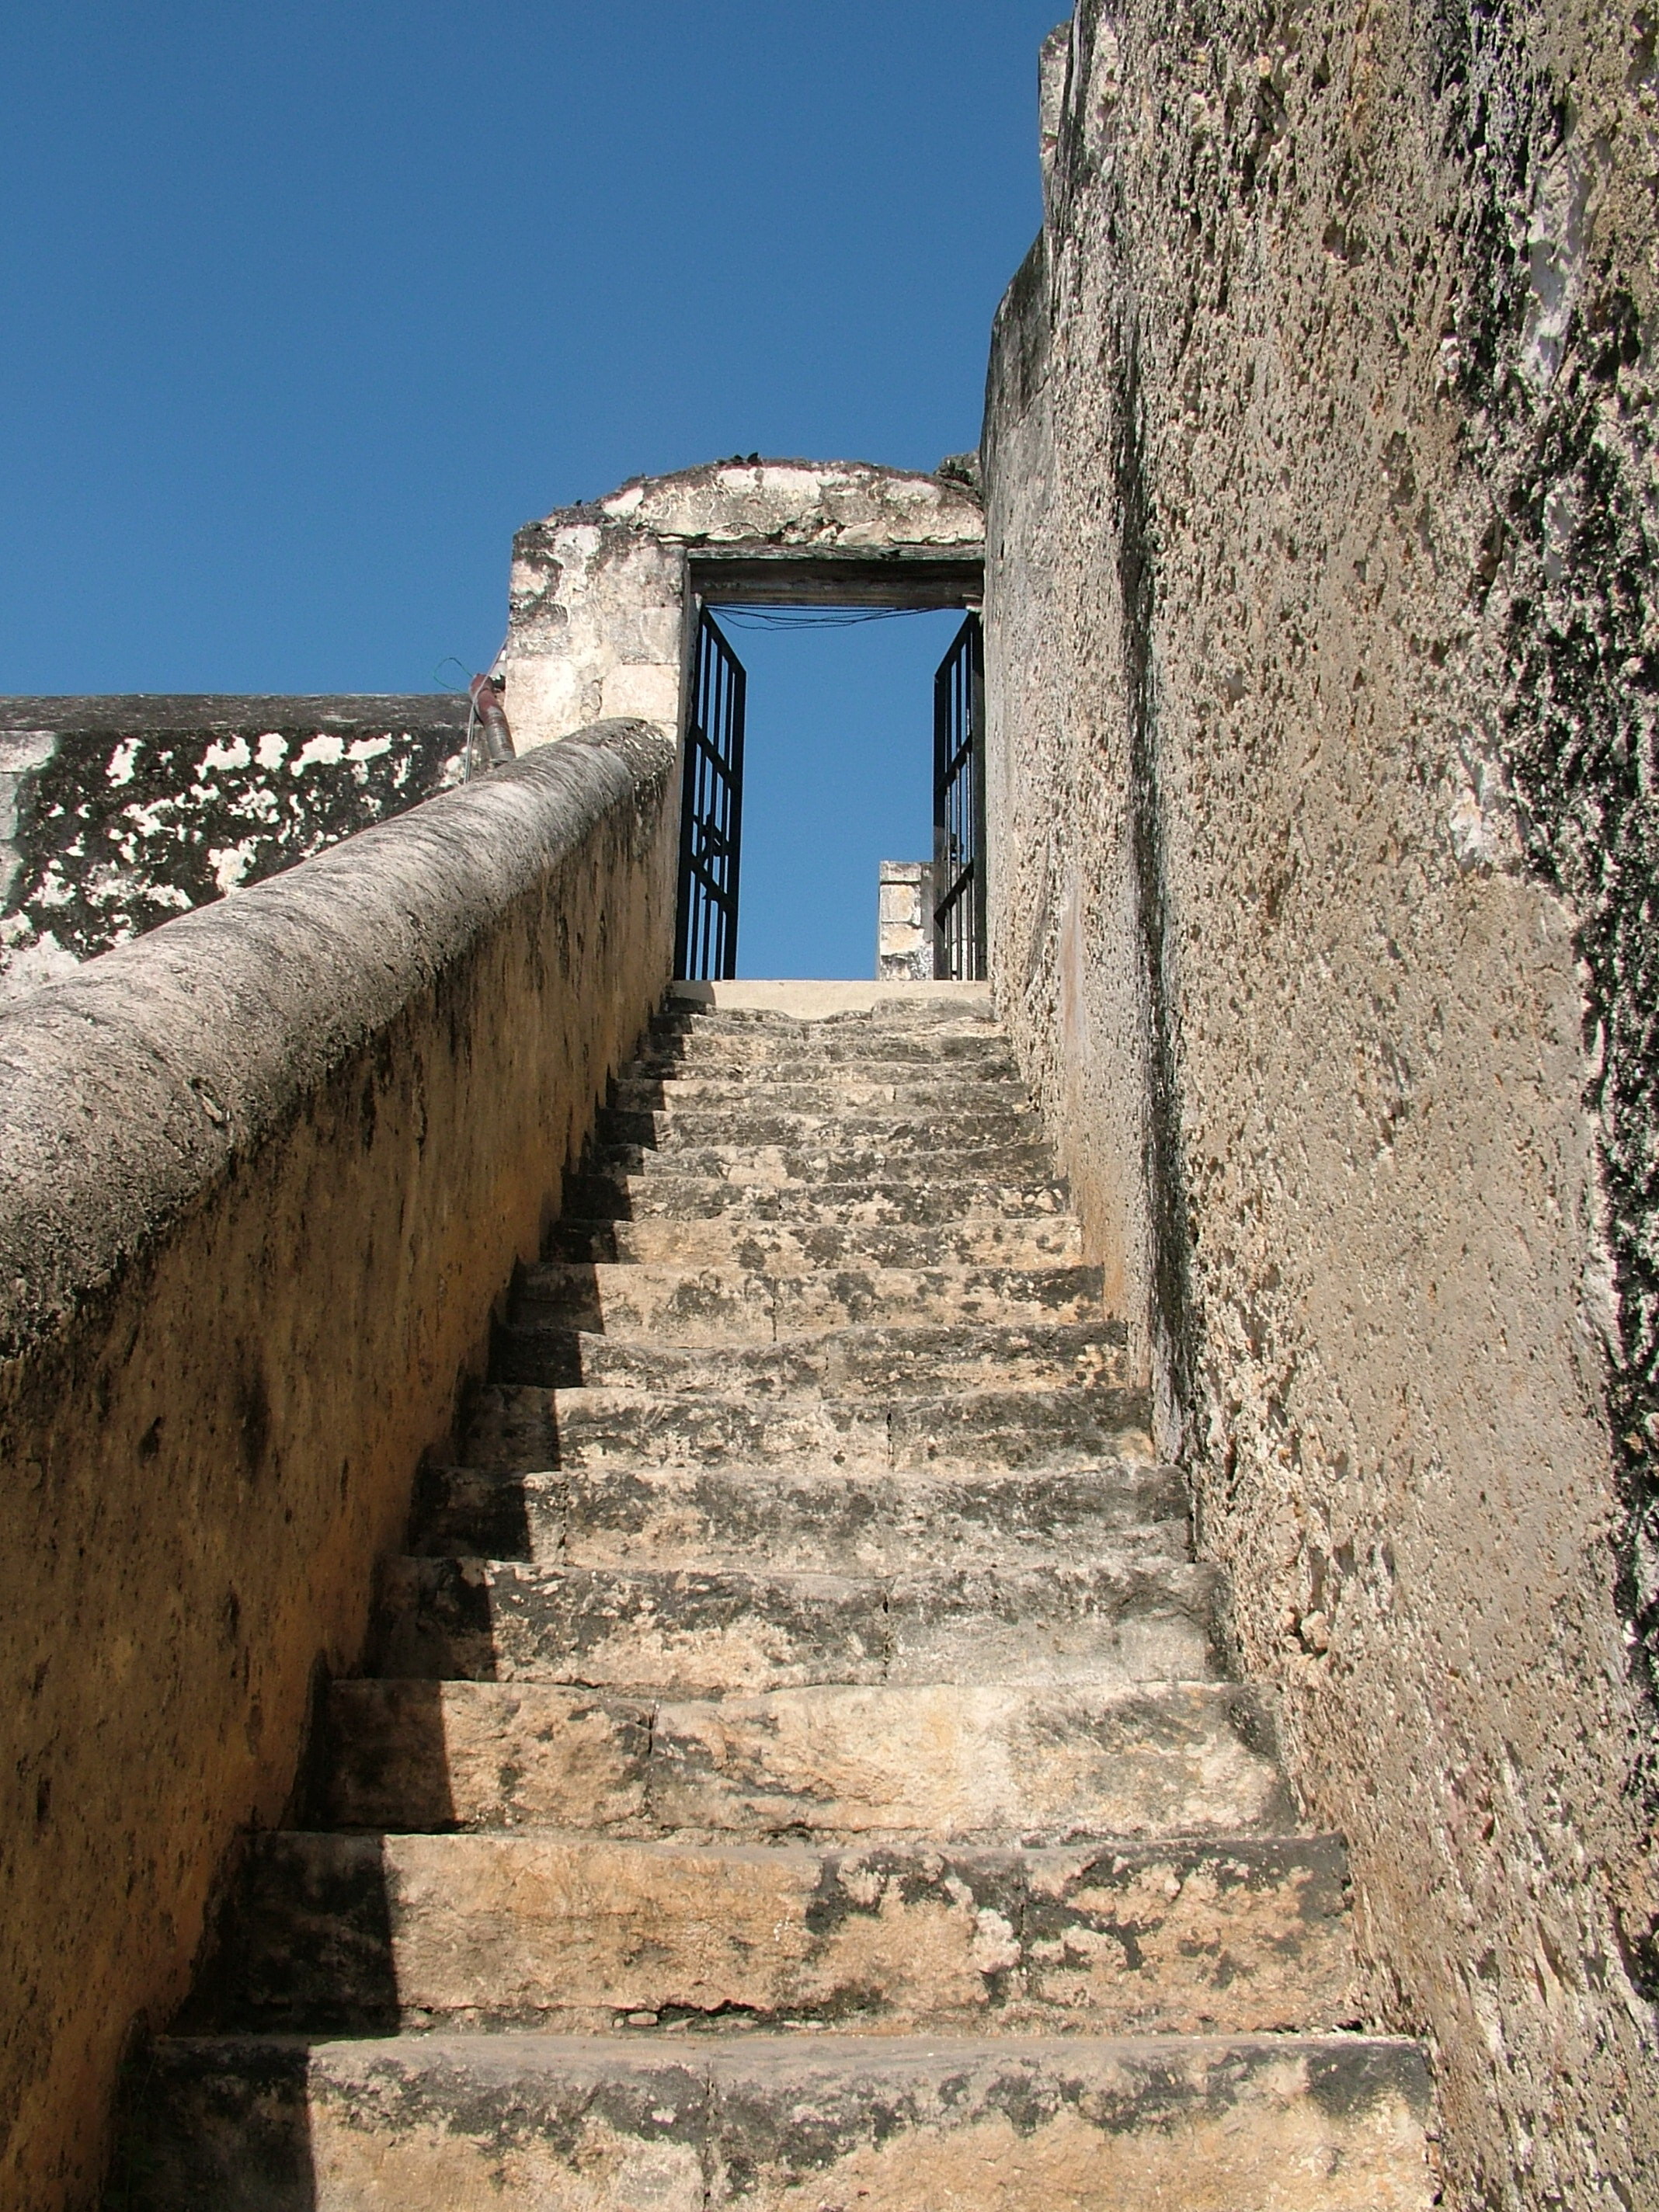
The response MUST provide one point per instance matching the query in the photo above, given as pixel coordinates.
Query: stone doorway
(631, 607)
(842, 763)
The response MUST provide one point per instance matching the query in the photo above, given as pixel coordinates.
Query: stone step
(680, 1195)
(947, 1763)
(847, 1362)
(729, 1304)
(758, 1123)
(519, 1424)
(809, 1057)
(1115, 1620)
(955, 1251)
(843, 1087)
(826, 1040)
(891, 1018)
(833, 1158)
(847, 1522)
(754, 2124)
(573, 1934)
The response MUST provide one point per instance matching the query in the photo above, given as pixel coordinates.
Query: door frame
(911, 579)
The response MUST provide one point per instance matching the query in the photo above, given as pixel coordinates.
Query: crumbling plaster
(267, 1172)
(119, 813)
(599, 597)
(1321, 658)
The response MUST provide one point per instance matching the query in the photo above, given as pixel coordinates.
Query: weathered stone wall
(265, 1172)
(119, 813)
(1322, 636)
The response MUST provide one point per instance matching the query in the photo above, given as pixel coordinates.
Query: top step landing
(814, 1001)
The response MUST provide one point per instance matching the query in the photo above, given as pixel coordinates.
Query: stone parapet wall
(1322, 691)
(119, 813)
(266, 1171)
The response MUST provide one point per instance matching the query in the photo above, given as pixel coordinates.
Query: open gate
(959, 953)
(711, 812)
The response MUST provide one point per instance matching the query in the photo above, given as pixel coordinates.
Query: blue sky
(308, 307)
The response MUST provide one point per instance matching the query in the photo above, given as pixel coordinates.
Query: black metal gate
(959, 808)
(711, 812)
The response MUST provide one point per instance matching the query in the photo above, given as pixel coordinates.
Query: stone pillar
(904, 922)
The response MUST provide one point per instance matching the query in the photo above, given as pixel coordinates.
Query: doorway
(804, 805)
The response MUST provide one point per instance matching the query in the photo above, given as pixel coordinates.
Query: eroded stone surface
(1137, 1617)
(480, 2124)
(823, 1521)
(265, 1170)
(978, 1763)
(570, 1934)
(1320, 599)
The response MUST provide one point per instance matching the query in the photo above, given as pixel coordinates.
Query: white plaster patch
(123, 760)
(236, 754)
(230, 863)
(1555, 262)
(26, 748)
(1560, 521)
(272, 749)
(368, 749)
(1480, 817)
(327, 749)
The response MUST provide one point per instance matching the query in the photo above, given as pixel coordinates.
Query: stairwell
(800, 1764)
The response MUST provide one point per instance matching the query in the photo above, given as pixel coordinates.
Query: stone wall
(119, 813)
(1322, 658)
(266, 1171)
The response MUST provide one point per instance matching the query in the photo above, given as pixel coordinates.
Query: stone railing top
(125, 1088)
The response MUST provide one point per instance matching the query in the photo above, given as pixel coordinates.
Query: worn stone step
(776, 2123)
(756, 1124)
(680, 1195)
(801, 1005)
(974, 1058)
(856, 1039)
(843, 1087)
(846, 1362)
(519, 1424)
(730, 1303)
(573, 1934)
(950, 1763)
(862, 1249)
(832, 1158)
(677, 1017)
(1125, 1618)
(869, 1522)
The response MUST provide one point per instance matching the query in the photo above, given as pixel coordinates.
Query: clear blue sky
(308, 307)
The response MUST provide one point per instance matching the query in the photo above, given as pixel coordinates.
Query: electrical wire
(749, 618)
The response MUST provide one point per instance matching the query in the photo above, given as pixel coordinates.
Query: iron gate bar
(711, 812)
(959, 932)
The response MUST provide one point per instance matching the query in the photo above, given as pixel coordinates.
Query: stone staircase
(802, 1766)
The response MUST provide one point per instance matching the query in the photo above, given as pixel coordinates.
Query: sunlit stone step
(787, 2124)
(520, 1424)
(872, 1521)
(1130, 1619)
(987, 1764)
